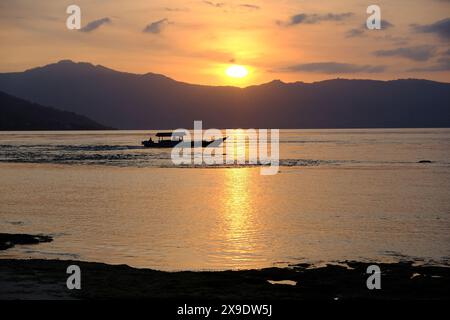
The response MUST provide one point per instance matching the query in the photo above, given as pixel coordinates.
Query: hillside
(18, 114)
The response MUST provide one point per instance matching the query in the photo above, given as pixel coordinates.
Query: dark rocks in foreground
(46, 279)
(10, 240)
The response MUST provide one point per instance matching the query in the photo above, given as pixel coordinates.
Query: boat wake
(140, 157)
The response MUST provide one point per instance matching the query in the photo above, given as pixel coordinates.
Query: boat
(170, 140)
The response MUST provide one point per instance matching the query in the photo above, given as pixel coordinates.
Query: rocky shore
(346, 280)
(46, 279)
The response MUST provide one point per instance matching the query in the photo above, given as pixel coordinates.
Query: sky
(195, 41)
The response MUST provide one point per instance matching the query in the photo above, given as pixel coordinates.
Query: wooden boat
(170, 140)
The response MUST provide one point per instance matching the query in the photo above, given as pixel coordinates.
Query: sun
(236, 71)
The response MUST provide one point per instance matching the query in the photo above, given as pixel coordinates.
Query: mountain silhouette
(152, 101)
(18, 114)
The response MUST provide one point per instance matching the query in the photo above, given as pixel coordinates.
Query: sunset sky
(195, 41)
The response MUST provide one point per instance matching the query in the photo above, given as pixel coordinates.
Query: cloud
(156, 27)
(232, 6)
(333, 68)
(385, 24)
(361, 31)
(91, 26)
(355, 33)
(443, 64)
(304, 18)
(419, 53)
(249, 6)
(399, 41)
(215, 4)
(440, 28)
(176, 9)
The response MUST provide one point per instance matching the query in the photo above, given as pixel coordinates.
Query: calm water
(341, 194)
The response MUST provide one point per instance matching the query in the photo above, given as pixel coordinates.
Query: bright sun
(236, 71)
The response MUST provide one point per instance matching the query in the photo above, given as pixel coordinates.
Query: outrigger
(175, 139)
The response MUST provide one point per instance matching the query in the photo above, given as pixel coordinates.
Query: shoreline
(46, 279)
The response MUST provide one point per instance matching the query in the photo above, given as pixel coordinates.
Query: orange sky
(195, 41)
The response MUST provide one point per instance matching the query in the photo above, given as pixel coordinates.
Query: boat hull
(167, 144)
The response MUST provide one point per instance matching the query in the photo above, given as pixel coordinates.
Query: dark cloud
(304, 18)
(385, 24)
(215, 4)
(91, 26)
(231, 6)
(440, 28)
(333, 68)
(419, 53)
(399, 41)
(156, 27)
(250, 6)
(176, 9)
(443, 64)
(355, 33)
(361, 31)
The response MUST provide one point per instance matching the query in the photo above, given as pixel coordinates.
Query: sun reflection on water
(238, 214)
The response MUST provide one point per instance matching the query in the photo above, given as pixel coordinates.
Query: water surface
(340, 194)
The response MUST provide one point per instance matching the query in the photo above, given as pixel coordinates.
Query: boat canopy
(170, 134)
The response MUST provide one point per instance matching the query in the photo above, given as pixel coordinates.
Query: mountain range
(152, 101)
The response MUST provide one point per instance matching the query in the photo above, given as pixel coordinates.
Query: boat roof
(170, 134)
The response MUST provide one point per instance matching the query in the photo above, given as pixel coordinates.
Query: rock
(345, 281)
(8, 241)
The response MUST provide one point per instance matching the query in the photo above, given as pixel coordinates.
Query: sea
(379, 195)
